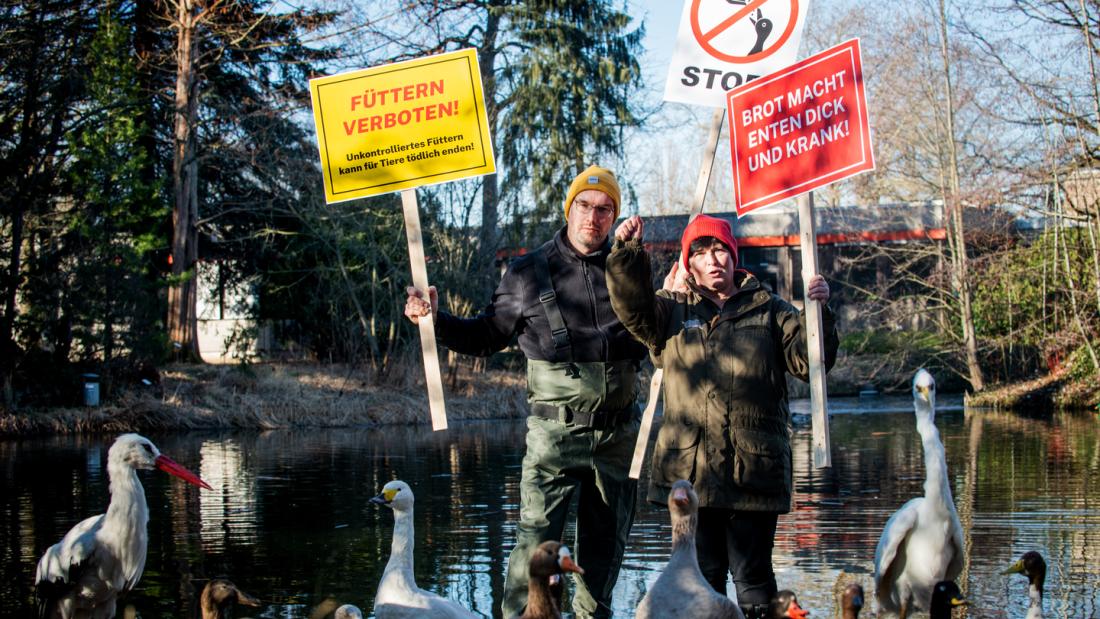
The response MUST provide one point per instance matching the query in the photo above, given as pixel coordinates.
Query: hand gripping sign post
(797, 129)
(721, 44)
(397, 127)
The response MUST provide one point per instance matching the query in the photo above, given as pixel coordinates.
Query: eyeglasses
(603, 211)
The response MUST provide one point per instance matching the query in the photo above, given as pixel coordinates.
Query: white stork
(99, 559)
(922, 543)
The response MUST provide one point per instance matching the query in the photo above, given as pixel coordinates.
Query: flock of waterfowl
(918, 557)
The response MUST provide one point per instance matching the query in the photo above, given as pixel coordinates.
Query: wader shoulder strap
(549, 300)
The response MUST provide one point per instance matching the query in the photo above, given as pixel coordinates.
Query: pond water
(289, 519)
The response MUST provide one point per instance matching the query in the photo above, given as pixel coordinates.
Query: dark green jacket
(726, 424)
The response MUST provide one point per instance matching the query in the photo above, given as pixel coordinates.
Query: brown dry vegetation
(266, 396)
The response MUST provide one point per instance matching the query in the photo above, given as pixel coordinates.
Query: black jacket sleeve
(496, 325)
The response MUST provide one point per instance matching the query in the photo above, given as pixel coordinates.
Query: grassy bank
(268, 396)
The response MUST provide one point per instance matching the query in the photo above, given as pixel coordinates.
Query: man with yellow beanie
(581, 370)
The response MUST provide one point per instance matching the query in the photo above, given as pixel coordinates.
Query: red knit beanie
(705, 225)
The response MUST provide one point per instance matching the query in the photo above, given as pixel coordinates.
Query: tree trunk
(956, 229)
(182, 294)
(488, 237)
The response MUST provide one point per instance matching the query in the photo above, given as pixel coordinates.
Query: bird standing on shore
(398, 596)
(922, 543)
(103, 557)
(1032, 565)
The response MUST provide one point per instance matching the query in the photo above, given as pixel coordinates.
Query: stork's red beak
(794, 611)
(680, 497)
(170, 466)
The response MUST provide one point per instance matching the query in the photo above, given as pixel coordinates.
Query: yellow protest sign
(401, 125)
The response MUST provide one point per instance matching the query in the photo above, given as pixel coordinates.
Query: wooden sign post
(797, 129)
(397, 127)
(701, 186)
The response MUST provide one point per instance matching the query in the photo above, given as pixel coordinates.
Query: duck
(219, 595)
(551, 559)
(348, 611)
(851, 601)
(922, 543)
(784, 605)
(1032, 565)
(945, 597)
(681, 590)
(103, 557)
(398, 596)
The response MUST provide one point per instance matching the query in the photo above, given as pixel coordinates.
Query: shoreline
(284, 395)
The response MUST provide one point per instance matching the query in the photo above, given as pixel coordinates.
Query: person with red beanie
(725, 343)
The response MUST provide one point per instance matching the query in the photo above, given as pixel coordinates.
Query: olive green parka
(726, 422)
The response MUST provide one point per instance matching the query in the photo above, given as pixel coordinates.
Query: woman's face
(712, 268)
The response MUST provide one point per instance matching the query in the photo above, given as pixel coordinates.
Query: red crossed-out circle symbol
(706, 38)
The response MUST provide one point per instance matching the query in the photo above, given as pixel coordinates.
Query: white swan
(1032, 565)
(681, 590)
(922, 543)
(398, 596)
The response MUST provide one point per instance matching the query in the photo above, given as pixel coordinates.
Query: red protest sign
(799, 128)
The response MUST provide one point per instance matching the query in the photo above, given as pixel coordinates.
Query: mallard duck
(785, 606)
(219, 595)
(398, 596)
(348, 611)
(551, 559)
(922, 543)
(103, 556)
(681, 590)
(945, 597)
(1032, 565)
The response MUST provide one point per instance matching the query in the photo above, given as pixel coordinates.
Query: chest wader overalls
(580, 440)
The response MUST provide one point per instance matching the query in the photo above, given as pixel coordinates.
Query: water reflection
(289, 518)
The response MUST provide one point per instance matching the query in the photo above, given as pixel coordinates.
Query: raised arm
(630, 284)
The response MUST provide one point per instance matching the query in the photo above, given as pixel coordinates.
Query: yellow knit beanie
(598, 178)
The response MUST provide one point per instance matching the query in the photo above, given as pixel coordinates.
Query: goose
(219, 595)
(551, 559)
(103, 556)
(398, 596)
(945, 597)
(785, 606)
(681, 590)
(922, 542)
(851, 601)
(348, 611)
(1032, 565)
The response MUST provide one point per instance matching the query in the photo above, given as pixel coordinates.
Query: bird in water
(922, 542)
(102, 557)
(551, 559)
(219, 595)
(851, 601)
(785, 606)
(681, 590)
(1032, 565)
(348, 611)
(945, 597)
(398, 596)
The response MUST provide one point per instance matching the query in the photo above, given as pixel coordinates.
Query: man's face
(712, 268)
(589, 221)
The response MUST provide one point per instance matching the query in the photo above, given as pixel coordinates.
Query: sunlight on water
(289, 519)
